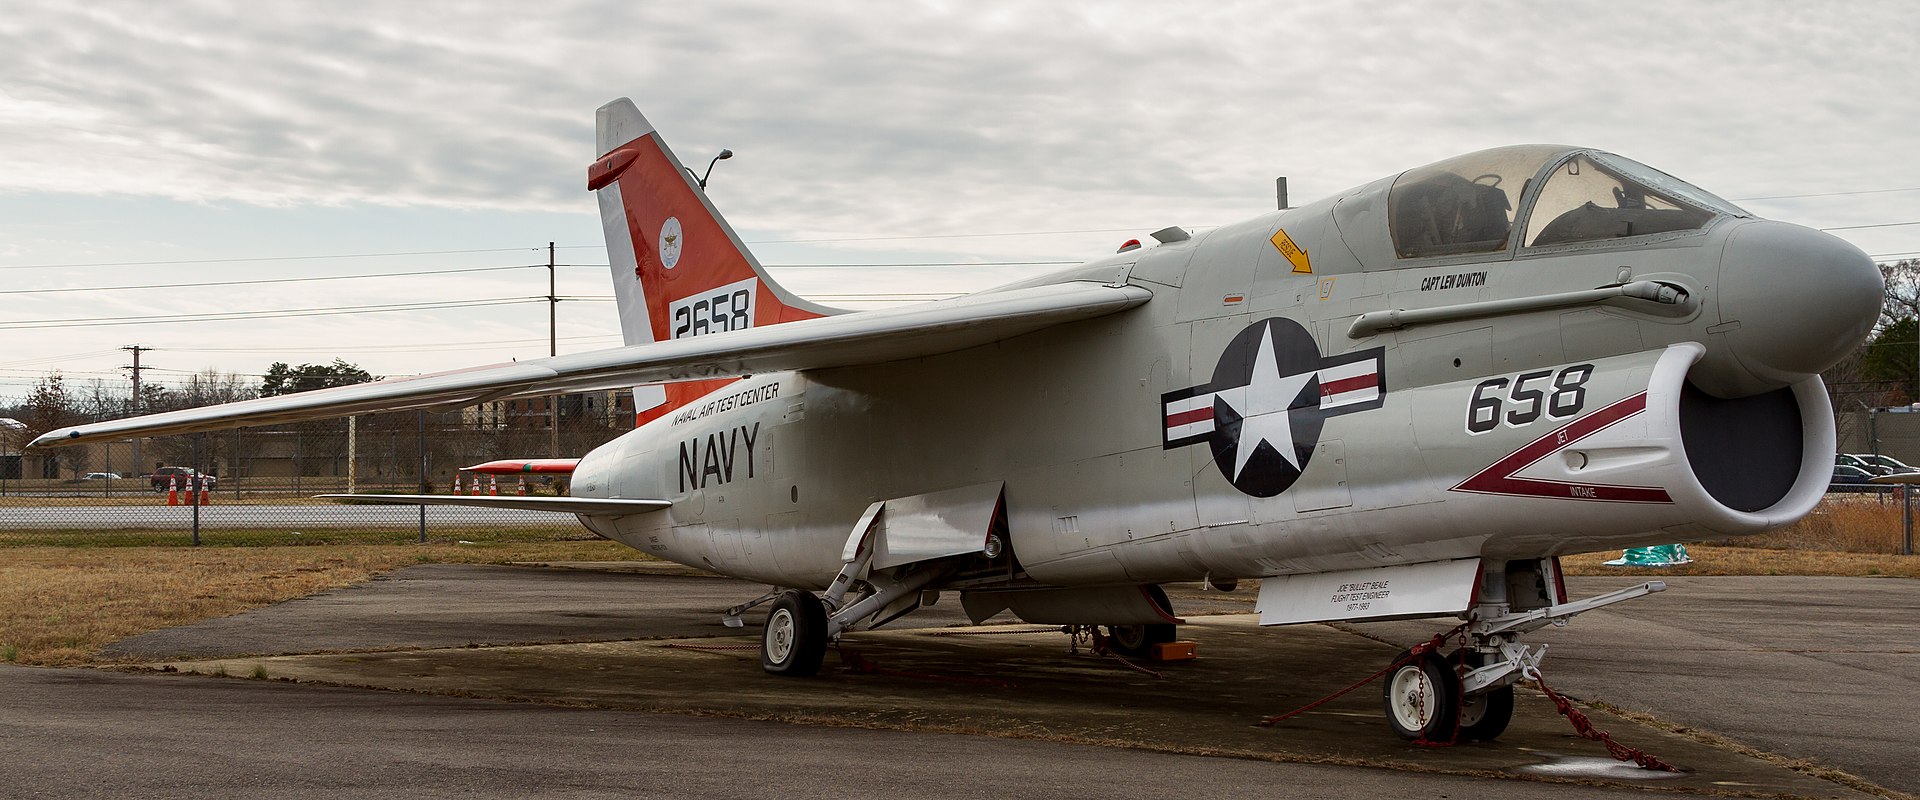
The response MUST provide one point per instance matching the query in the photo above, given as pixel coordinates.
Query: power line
(925, 236)
(268, 280)
(97, 322)
(26, 362)
(399, 348)
(1876, 225)
(954, 236)
(79, 265)
(926, 264)
(267, 258)
(1825, 194)
(894, 266)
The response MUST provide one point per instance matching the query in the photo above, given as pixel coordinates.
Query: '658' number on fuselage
(1521, 399)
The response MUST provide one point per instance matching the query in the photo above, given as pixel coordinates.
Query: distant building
(612, 409)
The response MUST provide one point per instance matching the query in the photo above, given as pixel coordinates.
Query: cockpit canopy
(1480, 202)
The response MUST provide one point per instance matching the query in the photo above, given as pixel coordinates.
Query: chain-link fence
(257, 485)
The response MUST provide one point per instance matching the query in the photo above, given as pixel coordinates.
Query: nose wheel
(1420, 695)
(1484, 716)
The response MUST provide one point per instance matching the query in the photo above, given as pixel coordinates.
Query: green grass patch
(272, 537)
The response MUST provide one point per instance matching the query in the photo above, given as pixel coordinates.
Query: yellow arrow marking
(1294, 254)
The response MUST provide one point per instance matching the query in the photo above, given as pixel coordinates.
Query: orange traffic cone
(173, 490)
(205, 493)
(493, 485)
(523, 486)
(458, 484)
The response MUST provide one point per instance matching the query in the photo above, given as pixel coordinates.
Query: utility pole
(134, 406)
(553, 349)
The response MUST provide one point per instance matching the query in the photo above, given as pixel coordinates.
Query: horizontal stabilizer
(565, 505)
(845, 340)
(538, 466)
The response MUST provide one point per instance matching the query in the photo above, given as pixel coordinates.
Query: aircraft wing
(869, 337)
(567, 505)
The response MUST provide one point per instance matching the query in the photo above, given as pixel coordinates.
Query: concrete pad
(1020, 681)
(1809, 668)
(87, 733)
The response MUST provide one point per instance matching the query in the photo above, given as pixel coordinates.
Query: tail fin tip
(617, 123)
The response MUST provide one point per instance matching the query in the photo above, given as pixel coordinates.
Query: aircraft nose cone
(1803, 300)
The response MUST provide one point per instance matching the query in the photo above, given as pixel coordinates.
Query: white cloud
(858, 119)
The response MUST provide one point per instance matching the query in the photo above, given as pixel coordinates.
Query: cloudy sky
(148, 144)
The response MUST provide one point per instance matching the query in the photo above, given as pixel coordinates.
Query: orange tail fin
(679, 269)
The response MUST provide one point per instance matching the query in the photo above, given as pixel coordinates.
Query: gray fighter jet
(1405, 400)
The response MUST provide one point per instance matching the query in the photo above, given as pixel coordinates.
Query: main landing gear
(795, 639)
(1427, 695)
(1137, 641)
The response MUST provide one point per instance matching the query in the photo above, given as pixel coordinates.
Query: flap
(936, 525)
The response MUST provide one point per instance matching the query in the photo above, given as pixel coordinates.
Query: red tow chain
(1581, 724)
(1584, 727)
(1413, 654)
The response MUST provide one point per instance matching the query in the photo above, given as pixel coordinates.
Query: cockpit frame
(1437, 215)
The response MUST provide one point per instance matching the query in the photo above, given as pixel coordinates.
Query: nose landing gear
(1427, 695)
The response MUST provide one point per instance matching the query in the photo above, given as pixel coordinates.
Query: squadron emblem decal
(1271, 393)
(670, 242)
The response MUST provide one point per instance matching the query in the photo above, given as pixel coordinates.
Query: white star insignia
(1262, 405)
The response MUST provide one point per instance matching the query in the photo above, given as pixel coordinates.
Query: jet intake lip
(1750, 464)
(1795, 302)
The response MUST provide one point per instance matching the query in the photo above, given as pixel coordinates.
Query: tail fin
(679, 269)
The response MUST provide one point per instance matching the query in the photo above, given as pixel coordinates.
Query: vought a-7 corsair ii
(1404, 400)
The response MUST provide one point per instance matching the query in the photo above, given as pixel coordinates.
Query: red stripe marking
(555, 466)
(1368, 381)
(1498, 478)
(1189, 417)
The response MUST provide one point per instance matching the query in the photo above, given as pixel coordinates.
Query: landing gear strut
(1429, 693)
(1484, 716)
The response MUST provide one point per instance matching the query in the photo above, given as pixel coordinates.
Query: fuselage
(1264, 414)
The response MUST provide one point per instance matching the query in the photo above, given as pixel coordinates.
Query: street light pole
(553, 349)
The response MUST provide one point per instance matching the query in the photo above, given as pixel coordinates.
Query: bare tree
(51, 405)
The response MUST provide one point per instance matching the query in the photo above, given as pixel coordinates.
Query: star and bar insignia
(1271, 392)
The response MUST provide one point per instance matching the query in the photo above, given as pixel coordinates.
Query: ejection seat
(1446, 214)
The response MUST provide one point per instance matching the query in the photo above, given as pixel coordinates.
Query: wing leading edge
(870, 337)
(565, 505)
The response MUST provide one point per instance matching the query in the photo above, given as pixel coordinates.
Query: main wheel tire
(1483, 717)
(1420, 697)
(1137, 641)
(795, 638)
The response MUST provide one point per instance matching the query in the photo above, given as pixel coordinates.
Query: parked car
(164, 476)
(1848, 478)
(1845, 460)
(100, 476)
(1889, 463)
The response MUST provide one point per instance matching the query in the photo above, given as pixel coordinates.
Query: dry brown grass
(1844, 523)
(1847, 535)
(1722, 560)
(60, 605)
(133, 499)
